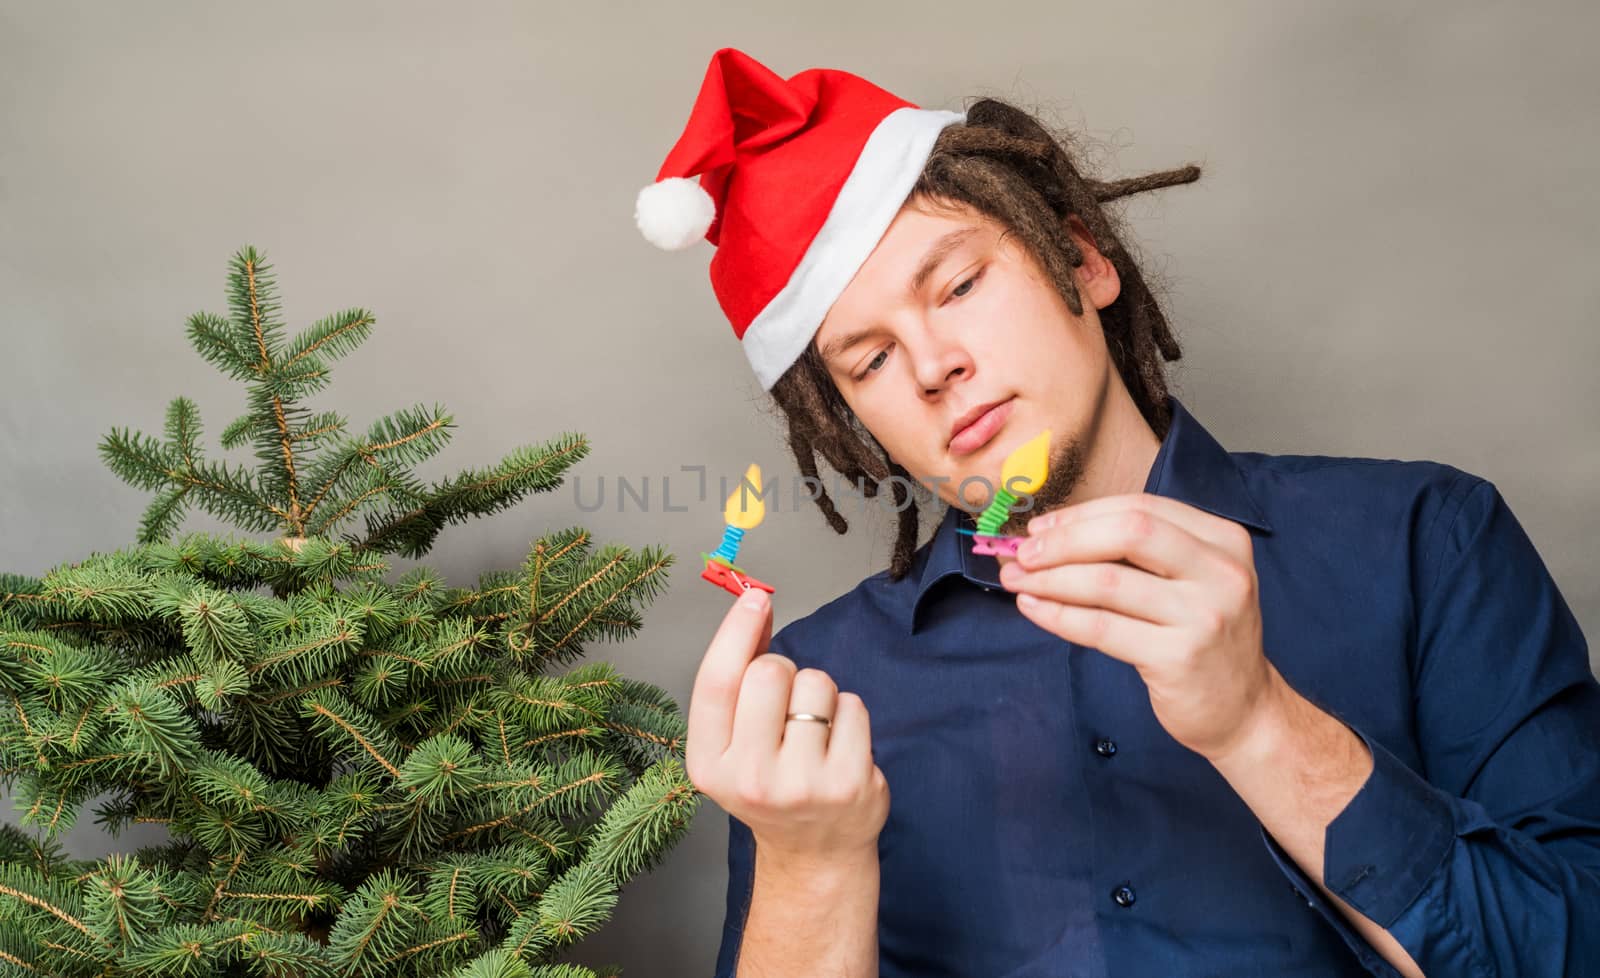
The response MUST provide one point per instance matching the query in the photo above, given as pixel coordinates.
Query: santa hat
(798, 181)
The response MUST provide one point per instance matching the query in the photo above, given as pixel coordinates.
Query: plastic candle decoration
(1023, 471)
(744, 510)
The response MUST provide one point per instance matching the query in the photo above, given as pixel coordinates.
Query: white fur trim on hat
(674, 213)
(872, 195)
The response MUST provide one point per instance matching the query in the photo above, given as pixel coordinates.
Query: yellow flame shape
(745, 507)
(1025, 468)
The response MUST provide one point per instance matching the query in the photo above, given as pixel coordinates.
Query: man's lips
(971, 436)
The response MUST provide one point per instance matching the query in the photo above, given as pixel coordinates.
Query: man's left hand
(1168, 589)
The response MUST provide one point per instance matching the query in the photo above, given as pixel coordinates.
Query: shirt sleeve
(741, 883)
(1487, 861)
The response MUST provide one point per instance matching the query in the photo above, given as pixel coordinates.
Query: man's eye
(873, 364)
(957, 293)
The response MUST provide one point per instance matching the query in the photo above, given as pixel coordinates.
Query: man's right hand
(810, 793)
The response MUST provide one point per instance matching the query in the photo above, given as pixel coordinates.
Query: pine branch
(238, 431)
(229, 495)
(288, 956)
(52, 897)
(99, 591)
(437, 948)
(577, 904)
(320, 640)
(336, 336)
(156, 725)
(342, 724)
(408, 436)
(138, 459)
(451, 894)
(284, 907)
(567, 970)
(495, 964)
(440, 770)
(183, 430)
(253, 303)
(121, 902)
(189, 950)
(215, 625)
(316, 428)
(639, 829)
(376, 923)
(474, 493)
(214, 338)
(162, 516)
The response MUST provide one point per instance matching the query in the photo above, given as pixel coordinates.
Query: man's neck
(1124, 449)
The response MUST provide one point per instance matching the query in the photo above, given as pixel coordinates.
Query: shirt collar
(1190, 467)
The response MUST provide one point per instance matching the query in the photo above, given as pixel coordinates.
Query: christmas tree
(357, 777)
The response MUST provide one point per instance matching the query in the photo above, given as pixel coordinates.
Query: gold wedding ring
(810, 716)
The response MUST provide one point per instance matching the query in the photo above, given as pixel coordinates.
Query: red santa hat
(798, 180)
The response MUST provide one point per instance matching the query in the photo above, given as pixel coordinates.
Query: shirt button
(1124, 895)
(1106, 747)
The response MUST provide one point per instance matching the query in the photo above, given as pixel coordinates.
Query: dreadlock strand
(805, 457)
(970, 141)
(1113, 189)
(905, 543)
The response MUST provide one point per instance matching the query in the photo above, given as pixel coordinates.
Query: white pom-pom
(674, 213)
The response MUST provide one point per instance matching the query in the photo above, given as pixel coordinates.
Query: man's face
(982, 326)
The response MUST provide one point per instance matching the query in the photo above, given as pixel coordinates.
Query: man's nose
(939, 361)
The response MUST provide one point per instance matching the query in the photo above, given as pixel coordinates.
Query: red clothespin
(730, 578)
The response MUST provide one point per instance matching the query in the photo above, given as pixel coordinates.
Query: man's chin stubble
(1066, 471)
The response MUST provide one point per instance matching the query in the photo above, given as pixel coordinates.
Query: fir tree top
(358, 777)
(313, 477)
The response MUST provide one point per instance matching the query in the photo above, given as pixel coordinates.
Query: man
(1225, 714)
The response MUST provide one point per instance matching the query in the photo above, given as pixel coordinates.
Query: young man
(1227, 713)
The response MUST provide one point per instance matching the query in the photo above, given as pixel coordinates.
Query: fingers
(849, 757)
(1133, 534)
(741, 744)
(1224, 533)
(764, 695)
(743, 635)
(805, 742)
(1113, 586)
(764, 601)
(1138, 643)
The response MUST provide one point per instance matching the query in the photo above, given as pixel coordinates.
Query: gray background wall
(1391, 254)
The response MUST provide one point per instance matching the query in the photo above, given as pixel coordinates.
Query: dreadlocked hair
(1003, 163)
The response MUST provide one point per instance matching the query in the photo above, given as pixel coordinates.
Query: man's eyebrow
(936, 255)
(842, 343)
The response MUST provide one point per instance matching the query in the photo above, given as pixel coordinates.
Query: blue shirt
(1042, 823)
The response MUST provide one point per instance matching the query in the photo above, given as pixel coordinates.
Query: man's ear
(1097, 276)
